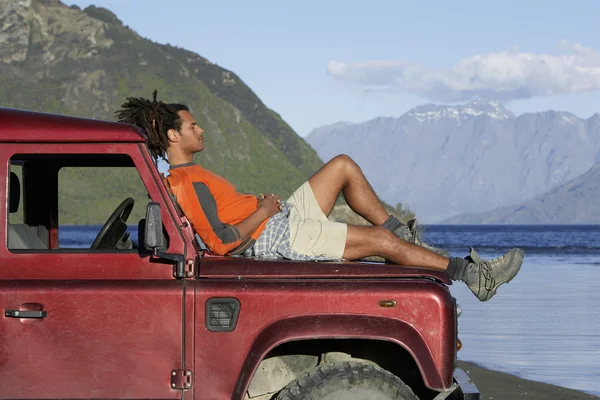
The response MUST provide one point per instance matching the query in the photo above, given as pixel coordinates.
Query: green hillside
(84, 63)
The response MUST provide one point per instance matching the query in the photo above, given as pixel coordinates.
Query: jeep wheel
(347, 381)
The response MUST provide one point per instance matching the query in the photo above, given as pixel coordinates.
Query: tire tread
(315, 382)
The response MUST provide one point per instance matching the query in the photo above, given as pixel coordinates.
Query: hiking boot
(410, 233)
(484, 277)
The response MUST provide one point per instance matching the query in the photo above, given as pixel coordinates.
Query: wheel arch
(340, 333)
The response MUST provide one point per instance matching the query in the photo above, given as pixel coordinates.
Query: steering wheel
(115, 227)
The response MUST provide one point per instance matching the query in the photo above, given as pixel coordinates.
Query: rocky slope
(60, 59)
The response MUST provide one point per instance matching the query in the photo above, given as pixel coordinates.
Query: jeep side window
(70, 202)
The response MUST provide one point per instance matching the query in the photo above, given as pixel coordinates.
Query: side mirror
(154, 239)
(156, 242)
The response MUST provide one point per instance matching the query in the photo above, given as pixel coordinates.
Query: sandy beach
(495, 385)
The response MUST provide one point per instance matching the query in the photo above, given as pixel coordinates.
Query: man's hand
(270, 204)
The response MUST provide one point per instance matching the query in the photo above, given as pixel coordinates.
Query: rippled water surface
(544, 325)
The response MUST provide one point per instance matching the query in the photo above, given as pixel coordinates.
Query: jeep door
(80, 322)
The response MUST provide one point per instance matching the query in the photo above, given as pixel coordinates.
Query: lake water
(544, 325)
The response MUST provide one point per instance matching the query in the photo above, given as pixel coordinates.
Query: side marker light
(387, 303)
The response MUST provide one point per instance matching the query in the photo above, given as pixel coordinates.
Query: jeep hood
(240, 267)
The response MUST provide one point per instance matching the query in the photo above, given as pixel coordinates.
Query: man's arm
(251, 223)
(267, 207)
(221, 238)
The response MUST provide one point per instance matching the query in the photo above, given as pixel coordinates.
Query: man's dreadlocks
(155, 118)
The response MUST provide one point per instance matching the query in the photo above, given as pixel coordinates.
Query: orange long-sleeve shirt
(213, 207)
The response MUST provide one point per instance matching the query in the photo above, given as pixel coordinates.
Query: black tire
(347, 381)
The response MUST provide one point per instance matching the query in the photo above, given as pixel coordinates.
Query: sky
(320, 62)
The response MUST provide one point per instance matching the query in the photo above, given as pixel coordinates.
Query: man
(230, 223)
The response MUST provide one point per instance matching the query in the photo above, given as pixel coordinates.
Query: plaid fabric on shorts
(274, 242)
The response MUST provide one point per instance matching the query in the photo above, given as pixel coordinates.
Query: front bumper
(462, 388)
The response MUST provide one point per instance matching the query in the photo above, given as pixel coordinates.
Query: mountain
(445, 160)
(60, 59)
(574, 202)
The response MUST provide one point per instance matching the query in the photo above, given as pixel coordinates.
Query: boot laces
(416, 237)
(486, 273)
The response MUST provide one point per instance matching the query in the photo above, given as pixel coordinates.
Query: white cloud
(507, 75)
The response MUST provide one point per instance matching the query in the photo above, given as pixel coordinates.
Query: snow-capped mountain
(445, 160)
(479, 106)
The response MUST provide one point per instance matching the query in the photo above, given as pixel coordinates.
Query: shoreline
(497, 385)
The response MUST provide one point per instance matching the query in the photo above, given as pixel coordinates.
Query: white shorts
(311, 233)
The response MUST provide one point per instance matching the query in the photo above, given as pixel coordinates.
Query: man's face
(191, 139)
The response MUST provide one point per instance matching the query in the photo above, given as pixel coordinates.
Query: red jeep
(162, 318)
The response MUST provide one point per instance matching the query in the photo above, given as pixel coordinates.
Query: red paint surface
(26, 126)
(278, 311)
(112, 339)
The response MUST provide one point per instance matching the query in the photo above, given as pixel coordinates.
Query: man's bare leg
(342, 174)
(483, 277)
(363, 241)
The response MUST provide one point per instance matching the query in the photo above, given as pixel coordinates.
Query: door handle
(25, 314)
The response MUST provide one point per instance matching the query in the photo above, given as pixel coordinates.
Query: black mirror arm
(179, 260)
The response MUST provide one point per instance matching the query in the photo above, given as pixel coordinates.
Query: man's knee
(344, 162)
